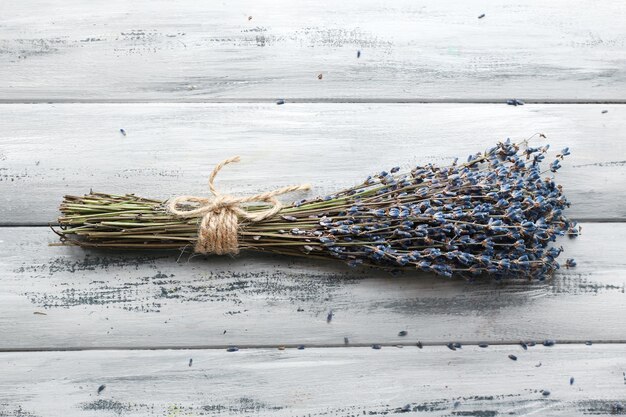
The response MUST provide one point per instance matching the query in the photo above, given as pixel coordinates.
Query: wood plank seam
(577, 219)
(473, 343)
(295, 100)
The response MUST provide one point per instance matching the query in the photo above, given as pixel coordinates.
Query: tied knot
(219, 227)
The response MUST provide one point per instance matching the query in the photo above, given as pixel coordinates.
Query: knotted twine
(219, 227)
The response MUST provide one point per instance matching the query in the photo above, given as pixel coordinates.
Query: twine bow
(218, 230)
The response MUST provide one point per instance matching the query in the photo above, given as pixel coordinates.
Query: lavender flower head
(496, 214)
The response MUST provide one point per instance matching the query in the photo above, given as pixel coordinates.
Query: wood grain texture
(92, 299)
(47, 151)
(433, 381)
(162, 50)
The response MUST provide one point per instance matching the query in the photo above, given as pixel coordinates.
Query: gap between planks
(576, 219)
(308, 346)
(388, 100)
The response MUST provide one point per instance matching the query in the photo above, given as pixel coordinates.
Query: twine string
(219, 227)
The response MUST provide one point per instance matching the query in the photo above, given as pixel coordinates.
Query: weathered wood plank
(103, 299)
(47, 151)
(432, 381)
(563, 49)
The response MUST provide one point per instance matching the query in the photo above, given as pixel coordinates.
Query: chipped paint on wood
(270, 48)
(53, 297)
(328, 145)
(97, 298)
(318, 382)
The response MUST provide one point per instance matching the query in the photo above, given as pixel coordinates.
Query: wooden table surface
(95, 333)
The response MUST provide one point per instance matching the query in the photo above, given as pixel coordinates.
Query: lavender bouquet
(495, 214)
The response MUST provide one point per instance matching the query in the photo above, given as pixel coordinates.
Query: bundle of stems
(497, 214)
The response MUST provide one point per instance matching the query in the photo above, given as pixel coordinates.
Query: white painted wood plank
(47, 151)
(107, 299)
(114, 49)
(433, 381)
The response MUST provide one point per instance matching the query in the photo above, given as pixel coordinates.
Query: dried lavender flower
(499, 214)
